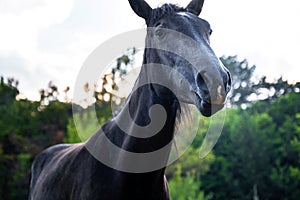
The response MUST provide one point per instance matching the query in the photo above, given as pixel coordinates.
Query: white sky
(43, 40)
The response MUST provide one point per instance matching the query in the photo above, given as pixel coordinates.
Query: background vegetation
(256, 157)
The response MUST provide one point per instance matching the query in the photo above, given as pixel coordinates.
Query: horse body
(69, 171)
(79, 176)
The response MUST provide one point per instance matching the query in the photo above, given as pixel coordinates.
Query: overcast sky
(43, 40)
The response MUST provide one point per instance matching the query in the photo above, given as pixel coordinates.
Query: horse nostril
(201, 84)
(220, 95)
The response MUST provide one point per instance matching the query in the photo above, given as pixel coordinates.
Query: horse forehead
(184, 14)
(186, 19)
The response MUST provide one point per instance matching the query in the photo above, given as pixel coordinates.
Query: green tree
(248, 87)
(26, 129)
(185, 187)
(258, 153)
(242, 76)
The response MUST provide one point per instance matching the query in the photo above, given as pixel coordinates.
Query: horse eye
(159, 32)
(210, 32)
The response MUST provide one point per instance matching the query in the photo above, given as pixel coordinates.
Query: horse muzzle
(211, 97)
(206, 108)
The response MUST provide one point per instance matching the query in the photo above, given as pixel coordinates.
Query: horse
(195, 76)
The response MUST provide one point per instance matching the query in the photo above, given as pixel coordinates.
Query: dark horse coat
(70, 171)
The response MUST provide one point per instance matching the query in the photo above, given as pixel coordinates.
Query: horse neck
(138, 104)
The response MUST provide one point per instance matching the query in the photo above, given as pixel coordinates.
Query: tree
(248, 88)
(242, 80)
(26, 129)
(120, 68)
(185, 187)
(258, 153)
(8, 90)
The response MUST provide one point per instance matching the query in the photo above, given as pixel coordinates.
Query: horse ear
(195, 6)
(141, 8)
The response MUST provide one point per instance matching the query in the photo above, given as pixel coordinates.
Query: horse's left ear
(141, 8)
(195, 6)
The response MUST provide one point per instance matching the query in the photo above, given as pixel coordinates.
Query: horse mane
(165, 9)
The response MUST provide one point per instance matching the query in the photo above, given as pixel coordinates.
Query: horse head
(178, 38)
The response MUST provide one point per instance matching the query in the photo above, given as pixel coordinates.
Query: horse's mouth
(207, 109)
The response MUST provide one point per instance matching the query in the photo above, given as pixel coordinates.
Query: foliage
(189, 162)
(119, 69)
(242, 80)
(25, 130)
(80, 126)
(258, 151)
(248, 88)
(185, 187)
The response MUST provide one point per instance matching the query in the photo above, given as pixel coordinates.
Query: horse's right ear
(141, 8)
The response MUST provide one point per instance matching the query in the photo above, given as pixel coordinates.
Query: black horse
(194, 74)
